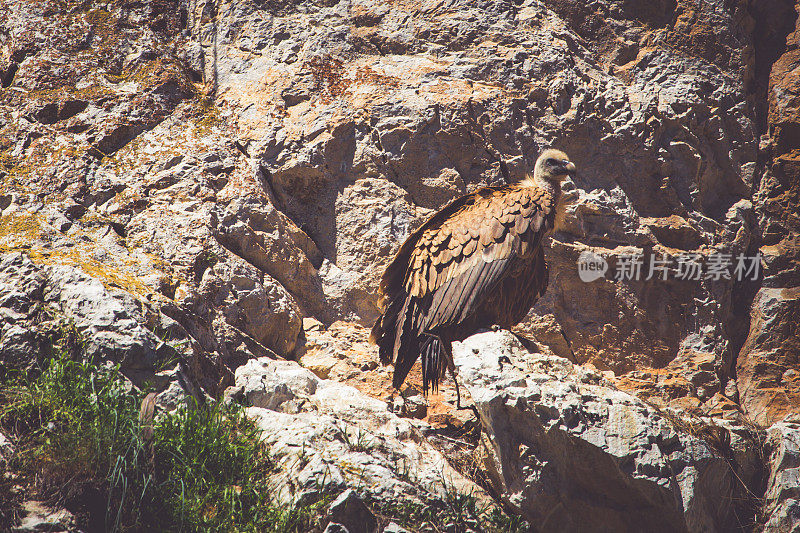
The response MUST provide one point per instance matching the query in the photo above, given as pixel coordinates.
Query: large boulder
(327, 437)
(768, 368)
(33, 299)
(111, 324)
(21, 287)
(782, 499)
(568, 450)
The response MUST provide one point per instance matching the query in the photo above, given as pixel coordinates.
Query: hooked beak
(567, 170)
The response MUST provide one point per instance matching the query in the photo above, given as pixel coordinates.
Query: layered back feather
(442, 284)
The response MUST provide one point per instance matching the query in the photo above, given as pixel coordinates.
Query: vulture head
(553, 166)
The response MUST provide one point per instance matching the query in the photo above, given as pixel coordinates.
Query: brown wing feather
(395, 272)
(478, 273)
(448, 268)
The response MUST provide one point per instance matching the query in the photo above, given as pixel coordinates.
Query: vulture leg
(444, 350)
(448, 349)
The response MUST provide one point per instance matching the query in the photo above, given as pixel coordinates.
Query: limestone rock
(373, 217)
(110, 323)
(768, 362)
(768, 367)
(39, 517)
(21, 285)
(266, 238)
(567, 449)
(690, 383)
(782, 499)
(254, 304)
(367, 142)
(326, 436)
(341, 352)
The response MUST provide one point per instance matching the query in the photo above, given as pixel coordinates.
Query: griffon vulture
(476, 263)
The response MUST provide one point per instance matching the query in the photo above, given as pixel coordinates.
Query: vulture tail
(398, 340)
(433, 362)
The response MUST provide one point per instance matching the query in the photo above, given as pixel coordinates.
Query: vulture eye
(551, 162)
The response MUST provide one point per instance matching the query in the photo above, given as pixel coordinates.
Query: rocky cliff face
(198, 179)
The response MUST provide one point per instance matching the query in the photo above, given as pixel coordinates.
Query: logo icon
(591, 266)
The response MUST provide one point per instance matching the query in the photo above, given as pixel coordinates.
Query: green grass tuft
(80, 445)
(456, 512)
(212, 471)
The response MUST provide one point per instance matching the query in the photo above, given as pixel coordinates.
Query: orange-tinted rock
(769, 362)
(784, 95)
(769, 359)
(343, 353)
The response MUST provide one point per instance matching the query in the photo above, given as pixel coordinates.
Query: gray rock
(391, 527)
(38, 517)
(253, 303)
(771, 349)
(414, 405)
(110, 323)
(172, 397)
(373, 217)
(38, 303)
(348, 510)
(327, 437)
(21, 286)
(18, 346)
(782, 499)
(6, 447)
(267, 239)
(566, 449)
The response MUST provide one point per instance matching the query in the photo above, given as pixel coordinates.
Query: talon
(471, 408)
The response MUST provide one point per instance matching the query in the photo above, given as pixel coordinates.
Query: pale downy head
(554, 166)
